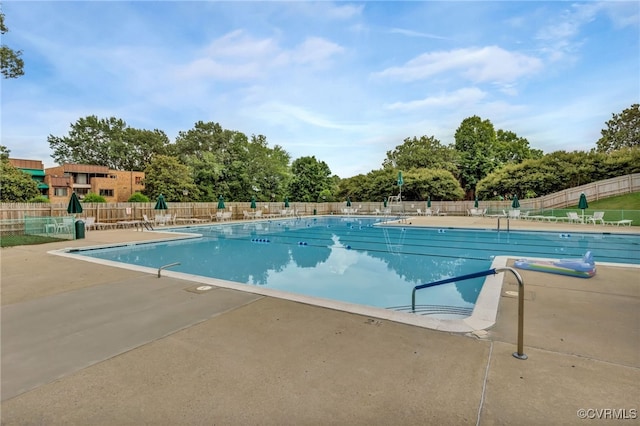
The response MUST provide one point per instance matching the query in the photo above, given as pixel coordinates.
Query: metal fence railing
(62, 227)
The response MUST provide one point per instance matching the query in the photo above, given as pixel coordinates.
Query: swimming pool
(357, 260)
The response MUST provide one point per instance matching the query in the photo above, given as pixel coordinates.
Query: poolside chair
(574, 218)
(89, 223)
(514, 214)
(146, 219)
(65, 226)
(428, 212)
(597, 217)
(624, 222)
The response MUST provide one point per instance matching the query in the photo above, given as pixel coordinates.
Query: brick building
(114, 185)
(35, 169)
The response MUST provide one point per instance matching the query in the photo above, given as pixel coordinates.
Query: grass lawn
(21, 240)
(620, 207)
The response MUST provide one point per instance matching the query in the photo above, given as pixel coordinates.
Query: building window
(138, 180)
(81, 178)
(60, 192)
(82, 191)
(106, 192)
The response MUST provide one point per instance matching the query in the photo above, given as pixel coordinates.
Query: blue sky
(343, 81)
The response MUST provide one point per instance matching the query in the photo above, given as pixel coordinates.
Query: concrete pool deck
(88, 344)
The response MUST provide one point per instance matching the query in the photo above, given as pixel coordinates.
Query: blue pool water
(358, 261)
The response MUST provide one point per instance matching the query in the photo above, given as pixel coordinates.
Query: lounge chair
(89, 223)
(624, 222)
(597, 217)
(574, 218)
(514, 214)
(65, 226)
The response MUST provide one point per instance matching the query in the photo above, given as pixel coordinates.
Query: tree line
(208, 161)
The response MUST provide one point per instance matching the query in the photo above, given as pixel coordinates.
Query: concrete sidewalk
(88, 344)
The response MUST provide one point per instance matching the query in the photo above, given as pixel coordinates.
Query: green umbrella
(221, 202)
(74, 206)
(400, 180)
(515, 203)
(476, 203)
(348, 201)
(385, 201)
(429, 202)
(161, 204)
(582, 204)
(253, 202)
(286, 202)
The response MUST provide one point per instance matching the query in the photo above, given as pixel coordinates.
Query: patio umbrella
(400, 183)
(385, 201)
(429, 202)
(253, 202)
(515, 203)
(348, 201)
(161, 204)
(74, 206)
(220, 202)
(582, 204)
(286, 202)
(476, 203)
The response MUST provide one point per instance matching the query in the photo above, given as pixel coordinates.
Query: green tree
(512, 149)
(167, 176)
(227, 163)
(475, 141)
(623, 131)
(310, 178)
(425, 152)
(557, 171)
(11, 63)
(438, 184)
(108, 142)
(15, 185)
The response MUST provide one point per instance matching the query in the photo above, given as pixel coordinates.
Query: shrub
(93, 198)
(40, 199)
(138, 197)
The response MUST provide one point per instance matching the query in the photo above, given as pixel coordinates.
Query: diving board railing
(520, 353)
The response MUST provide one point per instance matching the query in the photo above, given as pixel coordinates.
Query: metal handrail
(519, 354)
(507, 223)
(167, 266)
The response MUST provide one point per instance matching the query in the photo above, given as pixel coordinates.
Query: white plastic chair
(597, 217)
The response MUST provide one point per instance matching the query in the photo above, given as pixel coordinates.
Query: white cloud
(237, 56)
(411, 33)
(315, 50)
(486, 64)
(465, 96)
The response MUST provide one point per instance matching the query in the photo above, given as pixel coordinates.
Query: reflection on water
(349, 259)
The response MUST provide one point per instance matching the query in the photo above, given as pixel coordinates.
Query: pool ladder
(507, 223)
(520, 353)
